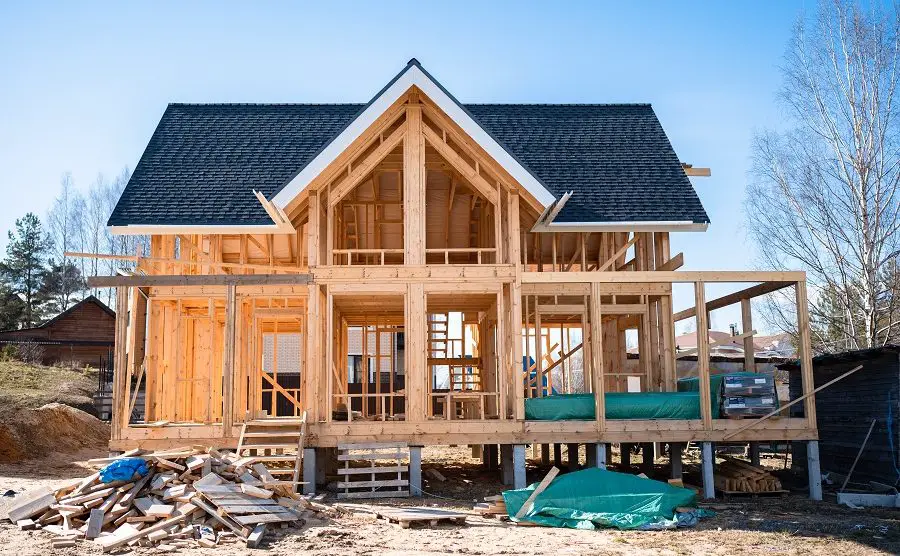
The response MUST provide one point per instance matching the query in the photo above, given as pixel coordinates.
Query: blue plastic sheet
(123, 470)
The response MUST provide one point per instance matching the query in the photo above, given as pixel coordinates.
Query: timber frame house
(414, 269)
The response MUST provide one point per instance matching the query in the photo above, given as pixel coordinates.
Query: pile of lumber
(493, 506)
(189, 497)
(734, 476)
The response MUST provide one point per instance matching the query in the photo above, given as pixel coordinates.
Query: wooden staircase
(277, 443)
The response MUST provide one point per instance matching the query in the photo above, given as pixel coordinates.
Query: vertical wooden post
(415, 352)
(501, 351)
(414, 188)
(806, 366)
(598, 380)
(514, 373)
(120, 370)
(329, 358)
(228, 361)
(747, 324)
(666, 325)
(703, 354)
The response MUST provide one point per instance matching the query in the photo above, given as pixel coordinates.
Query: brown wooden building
(477, 257)
(84, 333)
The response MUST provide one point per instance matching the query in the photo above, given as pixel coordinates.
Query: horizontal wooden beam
(655, 276)
(736, 297)
(674, 263)
(199, 280)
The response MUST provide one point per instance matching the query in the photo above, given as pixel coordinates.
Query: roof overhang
(412, 75)
(632, 226)
(169, 229)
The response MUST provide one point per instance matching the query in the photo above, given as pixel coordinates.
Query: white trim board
(168, 229)
(635, 226)
(412, 75)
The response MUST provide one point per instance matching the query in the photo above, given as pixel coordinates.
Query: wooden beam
(228, 361)
(693, 172)
(674, 263)
(362, 169)
(726, 300)
(612, 260)
(598, 378)
(656, 276)
(414, 188)
(749, 347)
(198, 280)
(451, 156)
(703, 356)
(805, 355)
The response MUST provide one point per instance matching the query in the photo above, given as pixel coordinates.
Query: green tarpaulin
(619, 405)
(595, 498)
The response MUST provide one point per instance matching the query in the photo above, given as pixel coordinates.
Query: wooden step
(272, 434)
(270, 446)
(285, 457)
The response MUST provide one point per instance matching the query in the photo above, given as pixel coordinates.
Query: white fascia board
(412, 75)
(637, 226)
(169, 229)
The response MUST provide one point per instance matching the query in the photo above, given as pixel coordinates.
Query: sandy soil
(784, 525)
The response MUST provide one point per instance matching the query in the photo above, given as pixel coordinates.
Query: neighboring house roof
(775, 345)
(72, 311)
(204, 160)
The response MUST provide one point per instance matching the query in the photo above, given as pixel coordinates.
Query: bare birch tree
(825, 191)
(65, 225)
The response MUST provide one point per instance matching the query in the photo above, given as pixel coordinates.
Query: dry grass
(25, 386)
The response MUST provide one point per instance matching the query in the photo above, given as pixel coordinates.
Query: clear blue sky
(83, 84)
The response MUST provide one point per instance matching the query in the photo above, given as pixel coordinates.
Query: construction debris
(406, 516)
(736, 477)
(188, 497)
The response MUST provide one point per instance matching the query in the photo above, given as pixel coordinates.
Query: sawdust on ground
(783, 525)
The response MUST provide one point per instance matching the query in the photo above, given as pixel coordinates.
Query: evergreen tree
(12, 308)
(58, 288)
(25, 265)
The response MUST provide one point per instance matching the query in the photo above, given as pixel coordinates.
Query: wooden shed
(845, 411)
(84, 333)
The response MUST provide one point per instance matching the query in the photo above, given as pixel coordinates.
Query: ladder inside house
(278, 444)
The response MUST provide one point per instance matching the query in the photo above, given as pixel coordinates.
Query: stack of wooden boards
(734, 476)
(383, 475)
(189, 497)
(493, 506)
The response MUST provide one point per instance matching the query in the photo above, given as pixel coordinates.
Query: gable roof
(204, 160)
(89, 299)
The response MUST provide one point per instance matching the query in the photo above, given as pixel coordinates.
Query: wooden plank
(34, 504)
(376, 494)
(233, 509)
(703, 355)
(545, 482)
(370, 470)
(265, 518)
(228, 361)
(94, 524)
(112, 542)
(736, 297)
(370, 484)
(199, 280)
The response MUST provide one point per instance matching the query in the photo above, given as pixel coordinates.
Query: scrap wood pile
(734, 476)
(493, 506)
(167, 499)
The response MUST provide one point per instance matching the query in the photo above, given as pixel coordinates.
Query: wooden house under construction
(417, 270)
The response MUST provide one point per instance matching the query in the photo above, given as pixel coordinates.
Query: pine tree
(25, 265)
(12, 308)
(58, 288)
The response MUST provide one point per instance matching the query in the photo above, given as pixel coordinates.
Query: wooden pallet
(230, 502)
(382, 477)
(407, 516)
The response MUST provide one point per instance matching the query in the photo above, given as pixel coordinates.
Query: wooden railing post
(805, 353)
(598, 378)
(703, 354)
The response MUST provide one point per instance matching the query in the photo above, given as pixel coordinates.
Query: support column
(228, 360)
(415, 470)
(309, 470)
(596, 455)
(625, 455)
(709, 487)
(812, 467)
(648, 457)
(518, 461)
(753, 452)
(675, 451)
(506, 464)
(572, 454)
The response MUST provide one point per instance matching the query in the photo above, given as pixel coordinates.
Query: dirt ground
(782, 525)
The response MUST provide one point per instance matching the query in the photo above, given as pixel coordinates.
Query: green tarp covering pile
(619, 405)
(594, 498)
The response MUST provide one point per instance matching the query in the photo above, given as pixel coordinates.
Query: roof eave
(625, 226)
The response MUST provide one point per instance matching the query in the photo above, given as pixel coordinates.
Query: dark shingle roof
(204, 160)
